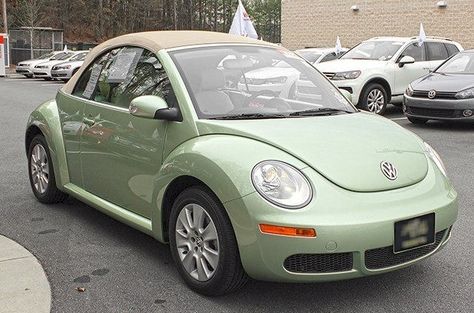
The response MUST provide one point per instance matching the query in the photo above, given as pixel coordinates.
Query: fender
(212, 160)
(46, 118)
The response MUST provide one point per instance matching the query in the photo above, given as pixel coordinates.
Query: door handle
(88, 121)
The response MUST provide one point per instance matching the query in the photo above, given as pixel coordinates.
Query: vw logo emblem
(432, 94)
(389, 170)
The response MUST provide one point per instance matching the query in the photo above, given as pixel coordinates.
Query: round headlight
(281, 184)
(432, 154)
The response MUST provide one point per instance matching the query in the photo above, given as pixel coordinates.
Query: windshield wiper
(248, 116)
(320, 111)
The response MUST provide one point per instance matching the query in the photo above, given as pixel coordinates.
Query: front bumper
(61, 74)
(353, 86)
(23, 70)
(348, 224)
(42, 73)
(437, 109)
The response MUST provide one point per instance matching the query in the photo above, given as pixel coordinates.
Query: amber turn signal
(287, 231)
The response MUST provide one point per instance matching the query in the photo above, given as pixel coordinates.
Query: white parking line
(399, 118)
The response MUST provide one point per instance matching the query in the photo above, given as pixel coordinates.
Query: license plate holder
(414, 233)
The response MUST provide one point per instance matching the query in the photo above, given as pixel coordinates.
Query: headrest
(212, 79)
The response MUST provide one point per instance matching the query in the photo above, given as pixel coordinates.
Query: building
(317, 23)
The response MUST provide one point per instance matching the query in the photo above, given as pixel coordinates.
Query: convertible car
(161, 131)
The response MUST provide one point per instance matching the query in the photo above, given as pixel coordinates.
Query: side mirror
(406, 60)
(153, 107)
(346, 94)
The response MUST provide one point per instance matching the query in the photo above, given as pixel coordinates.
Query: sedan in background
(320, 55)
(43, 70)
(64, 71)
(445, 94)
(26, 67)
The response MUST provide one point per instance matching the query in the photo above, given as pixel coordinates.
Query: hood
(346, 149)
(271, 72)
(343, 65)
(444, 82)
(51, 63)
(33, 61)
(72, 63)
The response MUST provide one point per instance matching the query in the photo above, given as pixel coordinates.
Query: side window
(436, 51)
(329, 57)
(414, 51)
(452, 49)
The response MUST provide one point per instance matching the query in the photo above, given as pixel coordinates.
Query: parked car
(238, 182)
(320, 55)
(377, 71)
(445, 94)
(43, 70)
(64, 71)
(26, 67)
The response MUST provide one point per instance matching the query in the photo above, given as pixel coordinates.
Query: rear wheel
(29, 76)
(417, 120)
(41, 172)
(374, 99)
(203, 244)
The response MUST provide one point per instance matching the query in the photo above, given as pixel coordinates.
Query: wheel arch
(377, 80)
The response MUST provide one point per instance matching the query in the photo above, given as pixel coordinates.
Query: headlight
(346, 75)
(281, 184)
(433, 155)
(465, 94)
(409, 91)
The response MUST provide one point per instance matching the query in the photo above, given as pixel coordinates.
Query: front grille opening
(384, 257)
(319, 263)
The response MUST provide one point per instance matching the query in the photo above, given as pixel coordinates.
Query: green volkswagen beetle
(242, 176)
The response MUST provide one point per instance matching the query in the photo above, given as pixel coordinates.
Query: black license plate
(414, 233)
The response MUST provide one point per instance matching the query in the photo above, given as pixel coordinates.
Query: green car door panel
(45, 118)
(355, 137)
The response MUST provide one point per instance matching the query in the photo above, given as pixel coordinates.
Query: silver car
(64, 71)
(26, 67)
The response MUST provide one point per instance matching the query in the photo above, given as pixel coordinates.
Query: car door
(409, 72)
(121, 154)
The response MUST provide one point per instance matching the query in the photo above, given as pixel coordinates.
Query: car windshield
(462, 63)
(79, 57)
(374, 50)
(309, 56)
(255, 82)
(46, 55)
(64, 56)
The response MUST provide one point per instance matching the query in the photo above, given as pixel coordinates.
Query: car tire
(374, 99)
(41, 172)
(48, 78)
(417, 120)
(29, 76)
(190, 247)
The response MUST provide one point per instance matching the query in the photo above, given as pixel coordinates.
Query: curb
(24, 286)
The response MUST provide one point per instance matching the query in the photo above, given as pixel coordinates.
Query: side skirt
(134, 220)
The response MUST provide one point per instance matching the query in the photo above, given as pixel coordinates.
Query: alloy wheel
(39, 168)
(375, 101)
(197, 242)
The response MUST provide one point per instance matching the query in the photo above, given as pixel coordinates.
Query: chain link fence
(29, 43)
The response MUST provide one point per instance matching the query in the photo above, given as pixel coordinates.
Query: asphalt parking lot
(123, 270)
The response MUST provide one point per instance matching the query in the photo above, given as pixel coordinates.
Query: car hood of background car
(343, 65)
(346, 149)
(444, 82)
(272, 72)
(71, 63)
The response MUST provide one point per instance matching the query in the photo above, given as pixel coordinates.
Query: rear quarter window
(436, 51)
(452, 49)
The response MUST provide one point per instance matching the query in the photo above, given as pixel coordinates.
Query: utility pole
(4, 13)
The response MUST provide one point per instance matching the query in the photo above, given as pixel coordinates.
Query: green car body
(132, 169)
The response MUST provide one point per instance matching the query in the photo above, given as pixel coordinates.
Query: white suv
(377, 71)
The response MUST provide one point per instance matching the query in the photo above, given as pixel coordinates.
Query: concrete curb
(24, 286)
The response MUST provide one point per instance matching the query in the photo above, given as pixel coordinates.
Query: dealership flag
(338, 45)
(242, 25)
(65, 48)
(422, 36)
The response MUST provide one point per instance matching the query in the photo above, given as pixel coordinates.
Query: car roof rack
(433, 37)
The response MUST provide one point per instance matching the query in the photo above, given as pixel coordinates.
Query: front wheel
(41, 172)
(203, 244)
(374, 99)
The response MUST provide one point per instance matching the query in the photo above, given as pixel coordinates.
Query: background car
(238, 183)
(43, 70)
(320, 55)
(64, 71)
(445, 94)
(377, 71)
(27, 67)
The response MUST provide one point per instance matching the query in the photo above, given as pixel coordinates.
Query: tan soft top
(158, 40)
